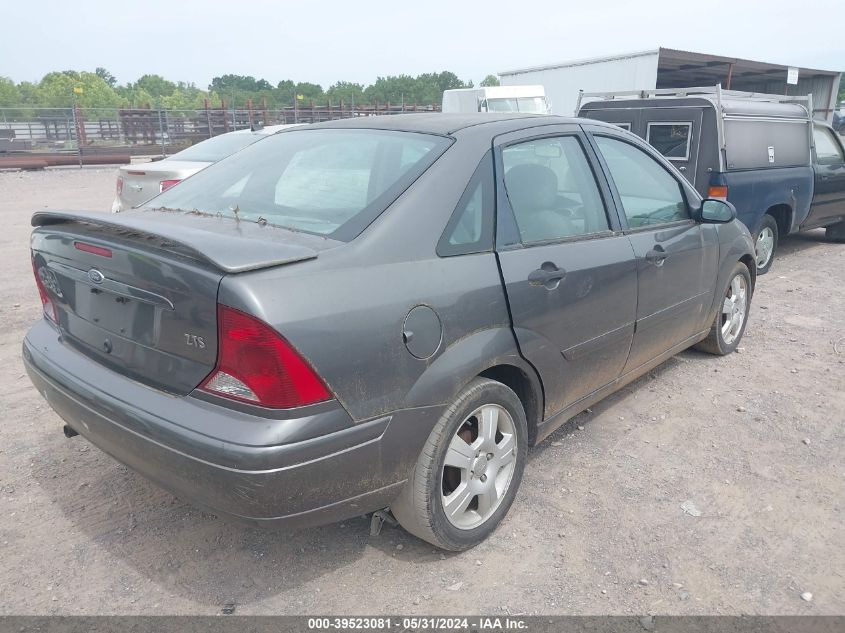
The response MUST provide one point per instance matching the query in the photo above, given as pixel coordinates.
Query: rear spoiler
(228, 244)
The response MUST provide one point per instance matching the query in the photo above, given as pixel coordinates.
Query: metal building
(670, 68)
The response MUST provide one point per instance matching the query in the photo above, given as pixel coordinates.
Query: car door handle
(656, 255)
(548, 275)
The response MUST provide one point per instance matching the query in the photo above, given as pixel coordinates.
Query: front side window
(327, 181)
(828, 151)
(649, 193)
(670, 139)
(552, 190)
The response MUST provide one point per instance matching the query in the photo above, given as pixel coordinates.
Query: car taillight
(718, 191)
(256, 365)
(119, 186)
(164, 185)
(46, 302)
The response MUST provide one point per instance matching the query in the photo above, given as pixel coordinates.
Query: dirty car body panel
(392, 310)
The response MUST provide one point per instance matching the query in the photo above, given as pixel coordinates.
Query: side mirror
(714, 211)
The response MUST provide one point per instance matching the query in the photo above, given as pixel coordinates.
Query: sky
(326, 41)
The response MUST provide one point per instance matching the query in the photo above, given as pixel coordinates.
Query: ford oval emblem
(96, 276)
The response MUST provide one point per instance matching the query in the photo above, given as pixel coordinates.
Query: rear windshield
(328, 182)
(217, 148)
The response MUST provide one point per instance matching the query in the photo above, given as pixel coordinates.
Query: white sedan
(139, 182)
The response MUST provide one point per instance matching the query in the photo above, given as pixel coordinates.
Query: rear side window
(649, 193)
(828, 151)
(331, 182)
(670, 139)
(470, 230)
(552, 190)
(218, 148)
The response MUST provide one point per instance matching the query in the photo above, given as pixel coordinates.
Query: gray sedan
(381, 312)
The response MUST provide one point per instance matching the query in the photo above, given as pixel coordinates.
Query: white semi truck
(528, 99)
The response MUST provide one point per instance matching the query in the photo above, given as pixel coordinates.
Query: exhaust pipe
(68, 431)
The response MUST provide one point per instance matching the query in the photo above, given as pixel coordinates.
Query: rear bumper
(263, 473)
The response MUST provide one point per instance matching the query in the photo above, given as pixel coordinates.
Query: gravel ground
(753, 441)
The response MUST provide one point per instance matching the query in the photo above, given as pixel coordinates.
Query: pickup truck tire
(835, 232)
(765, 244)
(732, 315)
(484, 437)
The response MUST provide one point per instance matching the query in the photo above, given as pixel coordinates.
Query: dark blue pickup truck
(782, 171)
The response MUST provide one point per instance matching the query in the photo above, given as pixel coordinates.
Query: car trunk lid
(143, 181)
(138, 291)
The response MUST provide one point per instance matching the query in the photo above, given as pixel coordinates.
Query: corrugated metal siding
(562, 83)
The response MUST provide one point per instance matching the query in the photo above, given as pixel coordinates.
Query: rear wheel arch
(528, 390)
(782, 213)
(468, 358)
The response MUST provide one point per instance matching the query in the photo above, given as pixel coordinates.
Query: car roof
(440, 123)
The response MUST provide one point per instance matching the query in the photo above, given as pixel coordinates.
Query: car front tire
(468, 473)
(732, 316)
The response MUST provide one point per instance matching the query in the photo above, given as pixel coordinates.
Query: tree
(155, 85)
(29, 93)
(347, 92)
(66, 88)
(396, 89)
(9, 94)
(106, 76)
(135, 97)
(309, 91)
(99, 89)
(430, 86)
(490, 80)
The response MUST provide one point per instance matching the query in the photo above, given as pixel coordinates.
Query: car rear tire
(765, 244)
(835, 232)
(467, 475)
(732, 316)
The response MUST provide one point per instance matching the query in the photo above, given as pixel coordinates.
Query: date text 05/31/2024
(417, 623)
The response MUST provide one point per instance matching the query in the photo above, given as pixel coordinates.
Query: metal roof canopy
(682, 69)
(686, 69)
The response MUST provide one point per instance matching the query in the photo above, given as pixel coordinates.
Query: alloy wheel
(734, 309)
(479, 466)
